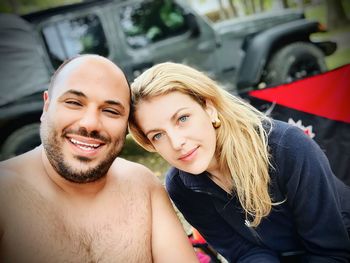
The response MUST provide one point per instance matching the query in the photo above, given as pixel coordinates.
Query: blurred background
(338, 27)
(60, 34)
(333, 14)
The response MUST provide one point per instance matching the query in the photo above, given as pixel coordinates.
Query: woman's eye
(156, 137)
(183, 118)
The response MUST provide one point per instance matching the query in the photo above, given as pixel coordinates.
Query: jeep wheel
(295, 61)
(20, 141)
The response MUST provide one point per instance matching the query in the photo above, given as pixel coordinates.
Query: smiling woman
(252, 186)
(181, 131)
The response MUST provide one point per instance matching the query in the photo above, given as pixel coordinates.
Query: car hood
(22, 68)
(252, 24)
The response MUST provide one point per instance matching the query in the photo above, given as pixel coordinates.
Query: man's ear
(211, 110)
(46, 104)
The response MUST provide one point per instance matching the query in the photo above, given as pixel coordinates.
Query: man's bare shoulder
(10, 170)
(10, 181)
(133, 171)
(15, 171)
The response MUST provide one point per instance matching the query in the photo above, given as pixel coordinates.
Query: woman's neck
(223, 180)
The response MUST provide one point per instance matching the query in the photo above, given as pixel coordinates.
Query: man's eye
(111, 111)
(183, 118)
(73, 103)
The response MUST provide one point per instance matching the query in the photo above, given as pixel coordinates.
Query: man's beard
(54, 153)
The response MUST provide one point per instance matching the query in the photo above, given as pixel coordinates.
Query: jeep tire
(20, 141)
(295, 61)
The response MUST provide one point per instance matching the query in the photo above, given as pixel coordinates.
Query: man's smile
(85, 146)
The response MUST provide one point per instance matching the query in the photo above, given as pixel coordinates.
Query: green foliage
(319, 12)
(340, 58)
(28, 6)
(155, 19)
(342, 54)
(133, 152)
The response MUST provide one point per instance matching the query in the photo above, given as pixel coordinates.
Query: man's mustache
(83, 132)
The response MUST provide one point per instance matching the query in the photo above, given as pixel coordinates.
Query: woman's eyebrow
(172, 118)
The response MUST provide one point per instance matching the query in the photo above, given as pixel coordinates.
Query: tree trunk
(253, 6)
(223, 14)
(285, 4)
(336, 16)
(261, 5)
(14, 6)
(245, 7)
(300, 4)
(233, 8)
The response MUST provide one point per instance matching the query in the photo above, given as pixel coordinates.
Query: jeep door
(72, 30)
(158, 31)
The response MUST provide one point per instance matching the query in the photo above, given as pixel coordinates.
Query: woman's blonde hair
(241, 147)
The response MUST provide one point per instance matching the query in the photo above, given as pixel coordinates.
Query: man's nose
(90, 120)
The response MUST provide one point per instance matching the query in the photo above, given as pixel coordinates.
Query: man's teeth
(84, 146)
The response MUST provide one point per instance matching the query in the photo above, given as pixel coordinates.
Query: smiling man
(72, 199)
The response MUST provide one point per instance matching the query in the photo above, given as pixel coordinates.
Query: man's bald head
(70, 65)
(85, 117)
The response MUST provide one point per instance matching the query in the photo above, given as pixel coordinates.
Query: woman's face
(180, 130)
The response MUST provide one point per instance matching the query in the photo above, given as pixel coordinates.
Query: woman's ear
(211, 110)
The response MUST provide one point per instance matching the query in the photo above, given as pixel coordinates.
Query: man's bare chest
(115, 233)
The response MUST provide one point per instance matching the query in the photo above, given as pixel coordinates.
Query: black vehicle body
(242, 53)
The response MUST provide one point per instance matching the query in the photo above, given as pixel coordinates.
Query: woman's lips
(189, 155)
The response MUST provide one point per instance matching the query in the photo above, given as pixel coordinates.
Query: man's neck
(71, 189)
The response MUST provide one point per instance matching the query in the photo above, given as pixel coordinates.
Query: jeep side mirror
(192, 24)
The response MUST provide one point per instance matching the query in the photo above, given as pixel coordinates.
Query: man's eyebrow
(115, 103)
(75, 92)
(81, 94)
(172, 118)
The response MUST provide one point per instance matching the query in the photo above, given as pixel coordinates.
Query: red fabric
(202, 257)
(326, 95)
(198, 237)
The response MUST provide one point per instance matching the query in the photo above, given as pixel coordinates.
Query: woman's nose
(177, 141)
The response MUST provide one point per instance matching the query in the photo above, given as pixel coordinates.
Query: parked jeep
(243, 53)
